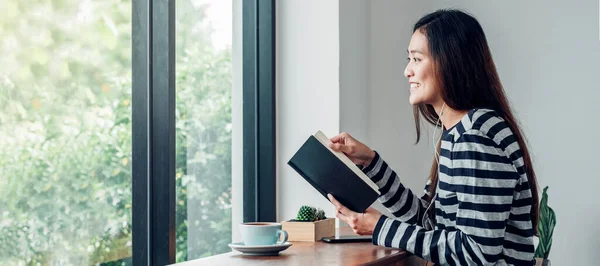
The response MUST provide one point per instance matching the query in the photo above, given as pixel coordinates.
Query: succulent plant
(321, 215)
(306, 213)
(311, 214)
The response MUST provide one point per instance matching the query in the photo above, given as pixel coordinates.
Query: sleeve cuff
(370, 167)
(377, 230)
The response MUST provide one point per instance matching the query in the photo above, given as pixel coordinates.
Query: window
(203, 128)
(65, 132)
(116, 129)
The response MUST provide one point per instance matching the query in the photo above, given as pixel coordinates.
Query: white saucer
(263, 250)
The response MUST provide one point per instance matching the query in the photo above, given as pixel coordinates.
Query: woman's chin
(413, 100)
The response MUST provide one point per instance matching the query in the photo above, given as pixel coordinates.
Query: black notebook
(333, 172)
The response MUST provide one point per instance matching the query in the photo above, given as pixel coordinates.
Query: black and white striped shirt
(482, 204)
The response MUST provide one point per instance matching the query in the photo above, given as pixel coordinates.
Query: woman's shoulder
(481, 116)
(491, 124)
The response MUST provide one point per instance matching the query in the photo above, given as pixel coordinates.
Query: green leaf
(547, 221)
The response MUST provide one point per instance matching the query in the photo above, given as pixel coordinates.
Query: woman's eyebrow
(414, 52)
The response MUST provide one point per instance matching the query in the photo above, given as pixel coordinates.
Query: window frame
(153, 124)
(259, 145)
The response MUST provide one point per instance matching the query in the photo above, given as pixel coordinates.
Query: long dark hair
(467, 77)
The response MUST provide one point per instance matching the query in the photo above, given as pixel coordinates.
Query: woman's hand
(357, 152)
(361, 223)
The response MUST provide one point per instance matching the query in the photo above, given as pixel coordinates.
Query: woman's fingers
(353, 219)
(335, 146)
(338, 138)
(341, 217)
(340, 209)
(338, 206)
(341, 147)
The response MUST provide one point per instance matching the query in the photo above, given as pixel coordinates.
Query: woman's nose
(408, 72)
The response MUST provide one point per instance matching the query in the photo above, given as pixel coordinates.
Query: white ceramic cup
(262, 233)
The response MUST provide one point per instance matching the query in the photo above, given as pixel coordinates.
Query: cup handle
(285, 236)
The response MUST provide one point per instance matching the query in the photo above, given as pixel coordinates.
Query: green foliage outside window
(65, 133)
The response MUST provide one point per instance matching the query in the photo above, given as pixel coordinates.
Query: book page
(325, 141)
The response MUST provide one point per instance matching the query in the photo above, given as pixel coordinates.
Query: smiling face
(420, 72)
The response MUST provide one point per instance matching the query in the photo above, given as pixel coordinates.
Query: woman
(484, 207)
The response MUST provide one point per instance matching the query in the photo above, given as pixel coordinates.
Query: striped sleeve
(484, 182)
(399, 200)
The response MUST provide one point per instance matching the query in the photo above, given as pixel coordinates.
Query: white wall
(548, 58)
(392, 127)
(307, 92)
(355, 108)
(354, 67)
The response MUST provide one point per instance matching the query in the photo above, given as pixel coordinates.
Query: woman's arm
(394, 196)
(399, 200)
(484, 191)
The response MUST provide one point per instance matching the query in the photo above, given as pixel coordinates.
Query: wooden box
(309, 231)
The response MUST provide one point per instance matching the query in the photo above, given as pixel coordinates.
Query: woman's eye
(408, 59)
(417, 59)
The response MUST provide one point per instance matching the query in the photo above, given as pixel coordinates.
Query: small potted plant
(310, 225)
(546, 224)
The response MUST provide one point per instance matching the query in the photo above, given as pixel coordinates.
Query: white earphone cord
(436, 156)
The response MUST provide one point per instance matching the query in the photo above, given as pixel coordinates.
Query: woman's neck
(449, 117)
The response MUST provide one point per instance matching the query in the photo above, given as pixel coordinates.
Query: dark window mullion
(249, 43)
(162, 129)
(141, 25)
(259, 110)
(153, 132)
(266, 111)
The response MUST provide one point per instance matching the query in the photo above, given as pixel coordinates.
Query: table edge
(401, 254)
